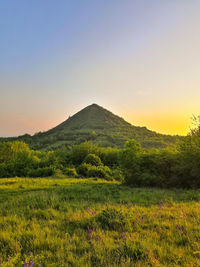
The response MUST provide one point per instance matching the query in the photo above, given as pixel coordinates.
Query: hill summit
(92, 117)
(99, 125)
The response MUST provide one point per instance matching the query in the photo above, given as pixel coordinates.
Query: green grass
(79, 222)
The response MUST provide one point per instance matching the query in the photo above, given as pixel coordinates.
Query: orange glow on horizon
(171, 124)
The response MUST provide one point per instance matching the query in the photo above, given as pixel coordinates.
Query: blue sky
(140, 59)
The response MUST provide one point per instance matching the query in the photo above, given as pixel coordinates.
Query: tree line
(132, 165)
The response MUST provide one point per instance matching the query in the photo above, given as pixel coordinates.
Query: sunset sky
(139, 59)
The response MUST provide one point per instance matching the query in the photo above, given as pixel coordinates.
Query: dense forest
(167, 167)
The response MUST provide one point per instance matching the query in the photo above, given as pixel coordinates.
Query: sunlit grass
(79, 222)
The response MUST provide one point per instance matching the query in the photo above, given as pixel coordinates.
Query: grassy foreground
(78, 222)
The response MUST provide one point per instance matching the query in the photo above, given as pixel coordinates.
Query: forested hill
(96, 124)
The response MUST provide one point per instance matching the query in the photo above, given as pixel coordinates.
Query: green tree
(93, 160)
(129, 161)
(79, 152)
(188, 169)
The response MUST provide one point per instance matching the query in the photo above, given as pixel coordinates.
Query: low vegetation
(91, 222)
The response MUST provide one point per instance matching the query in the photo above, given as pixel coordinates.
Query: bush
(187, 170)
(83, 169)
(117, 174)
(153, 168)
(6, 170)
(113, 219)
(110, 156)
(71, 172)
(99, 171)
(41, 172)
(148, 179)
(93, 160)
(129, 162)
(80, 152)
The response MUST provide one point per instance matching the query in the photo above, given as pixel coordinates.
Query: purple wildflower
(124, 237)
(90, 231)
(161, 204)
(98, 238)
(30, 263)
(179, 228)
(94, 212)
(142, 219)
(8, 259)
(88, 210)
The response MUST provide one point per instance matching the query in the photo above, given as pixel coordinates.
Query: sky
(139, 59)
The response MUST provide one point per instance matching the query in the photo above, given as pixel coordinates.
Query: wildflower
(1, 261)
(30, 263)
(8, 259)
(98, 238)
(90, 231)
(179, 228)
(161, 204)
(124, 237)
(142, 219)
(88, 210)
(94, 212)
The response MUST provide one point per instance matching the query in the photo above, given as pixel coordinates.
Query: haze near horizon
(138, 59)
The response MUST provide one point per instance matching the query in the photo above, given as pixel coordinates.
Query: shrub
(110, 156)
(99, 171)
(71, 172)
(148, 179)
(113, 219)
(79, 152)
(93, 160)
(6, 170)
(41, 172)
(83, 169)
(129, 162)
(117, 174)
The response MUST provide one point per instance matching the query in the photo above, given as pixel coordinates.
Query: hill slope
(100, 126)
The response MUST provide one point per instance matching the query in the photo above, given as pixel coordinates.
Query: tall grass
(79, 222)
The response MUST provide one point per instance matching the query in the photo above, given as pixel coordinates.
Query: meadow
(93, 222)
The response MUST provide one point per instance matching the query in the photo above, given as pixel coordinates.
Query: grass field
(79, 222)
